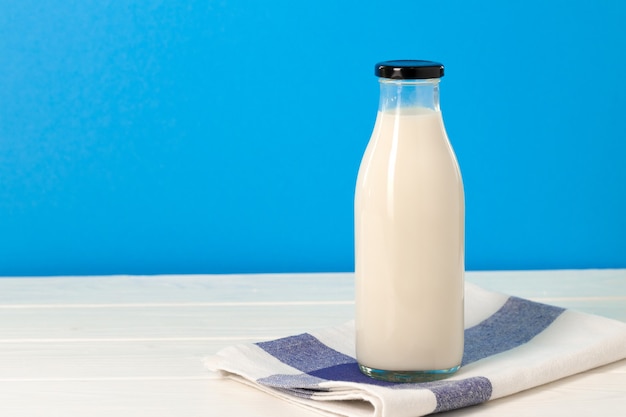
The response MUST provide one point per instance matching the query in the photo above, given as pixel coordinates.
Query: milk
(409, 246)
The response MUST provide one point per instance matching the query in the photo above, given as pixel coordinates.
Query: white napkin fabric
(511, 344)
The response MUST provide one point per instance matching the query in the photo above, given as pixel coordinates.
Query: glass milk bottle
(409, 233)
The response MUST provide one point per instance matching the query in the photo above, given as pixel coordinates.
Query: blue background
(225, 136)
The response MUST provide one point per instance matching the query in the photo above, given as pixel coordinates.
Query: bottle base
(408, 376)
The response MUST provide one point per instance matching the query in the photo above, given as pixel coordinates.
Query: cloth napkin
(511, 344)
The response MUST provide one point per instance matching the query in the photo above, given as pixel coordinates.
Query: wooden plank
(93, 360)
(168, 289)
(125, 323)
(153, 398)
(108, 342)
(554, 284)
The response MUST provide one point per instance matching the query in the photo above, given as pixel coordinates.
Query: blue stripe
(516, 323)
(349, 372)
(305, 353)
(461, 393)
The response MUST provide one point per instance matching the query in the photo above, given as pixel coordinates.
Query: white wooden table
(132, 346)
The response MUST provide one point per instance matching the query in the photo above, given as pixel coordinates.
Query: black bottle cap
(409, 69)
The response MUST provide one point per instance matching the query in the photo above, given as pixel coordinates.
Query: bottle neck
(404, 95)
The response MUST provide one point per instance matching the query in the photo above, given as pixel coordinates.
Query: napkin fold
(511, 344)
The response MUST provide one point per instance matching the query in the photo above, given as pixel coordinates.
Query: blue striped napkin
(511, 344)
